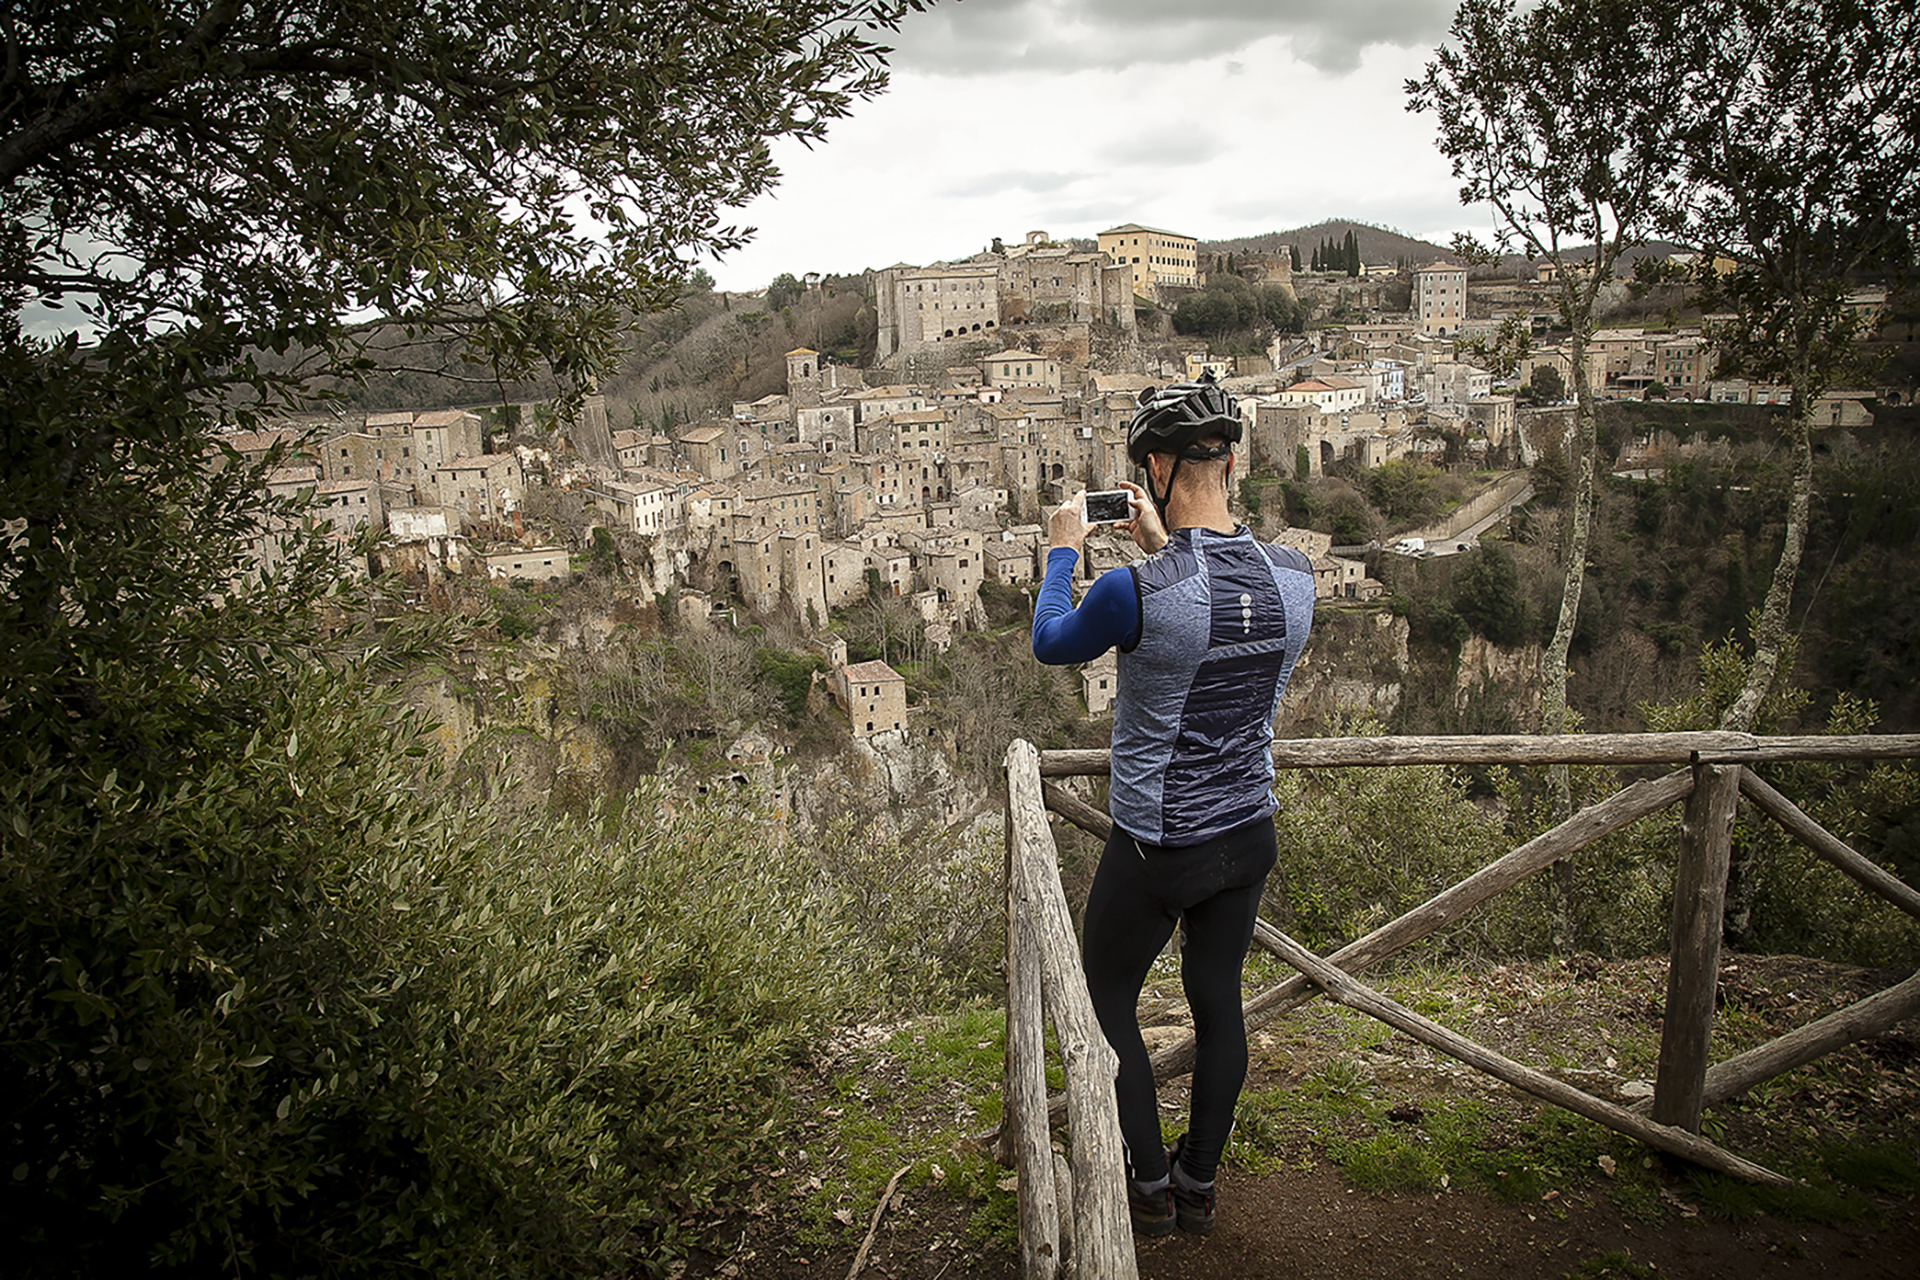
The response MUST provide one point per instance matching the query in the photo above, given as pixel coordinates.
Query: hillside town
(1002, 385)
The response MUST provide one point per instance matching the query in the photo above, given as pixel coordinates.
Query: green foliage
(1800, 165)
(1404, 491)
(1351, 520)
(1006, 606)
(784, 292)
(1547, 385)
(1486, 594)
(1611, 1264)
(603, 557)
(944, 1065)
(791, 676)
(932, 943)
(1250, 497)
(279, 1002)
(1387, 1160)
(1800, 904)
(524, 181)
(1231, 305)
(1360, 846)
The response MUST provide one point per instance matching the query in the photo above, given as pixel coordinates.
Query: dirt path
(1313, 1226)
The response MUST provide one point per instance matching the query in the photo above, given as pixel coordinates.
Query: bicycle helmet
(1173, 420)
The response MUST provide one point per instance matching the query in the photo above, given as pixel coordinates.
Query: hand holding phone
(1109, 506)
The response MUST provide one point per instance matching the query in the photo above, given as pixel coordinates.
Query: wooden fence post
(1693, 977)
(1025, 1140)
(1100, 1238)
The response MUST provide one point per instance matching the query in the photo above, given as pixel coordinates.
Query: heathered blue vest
(1223, 618)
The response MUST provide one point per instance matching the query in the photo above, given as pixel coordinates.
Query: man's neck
(1201, 514)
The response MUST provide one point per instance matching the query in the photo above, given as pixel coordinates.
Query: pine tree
(1352, 254)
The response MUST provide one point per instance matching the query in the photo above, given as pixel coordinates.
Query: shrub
(1360, 846)
(277, 1001)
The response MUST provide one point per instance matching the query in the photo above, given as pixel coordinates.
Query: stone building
(918, 306)
(1016, 368)
(1099, 683)
(1154, 257)
(1440, 298)
(875, 698)
(441, 436)
(709, 452)
(1046, 283)
(485, 488)
(360, 456)
(843, 573)
(532, 564)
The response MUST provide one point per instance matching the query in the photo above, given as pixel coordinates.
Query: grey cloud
(978, 37)
(1006, 180)
(1174, 145)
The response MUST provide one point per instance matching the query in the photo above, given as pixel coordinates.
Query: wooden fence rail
(1073, 1215)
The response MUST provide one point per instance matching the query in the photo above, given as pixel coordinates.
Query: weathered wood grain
(1101, 1235)
(1693, 977)
(1869, 874)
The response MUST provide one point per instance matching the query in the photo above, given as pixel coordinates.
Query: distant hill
(1376, 244)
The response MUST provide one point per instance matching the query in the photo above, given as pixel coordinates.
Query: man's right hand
(1149, 534)
(1067, 527)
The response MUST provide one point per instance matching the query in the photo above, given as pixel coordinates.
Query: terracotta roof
(872, 672)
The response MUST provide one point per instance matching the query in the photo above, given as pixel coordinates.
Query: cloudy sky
(1213, 118)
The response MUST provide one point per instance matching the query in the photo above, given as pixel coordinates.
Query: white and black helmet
(1171, 419)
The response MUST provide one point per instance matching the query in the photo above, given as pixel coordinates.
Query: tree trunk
(1768, 638)
(1553, 700)
(1772, 631)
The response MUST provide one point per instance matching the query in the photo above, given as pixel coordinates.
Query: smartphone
(1109, 506)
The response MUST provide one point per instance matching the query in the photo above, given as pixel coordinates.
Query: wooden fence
(1073, 1212)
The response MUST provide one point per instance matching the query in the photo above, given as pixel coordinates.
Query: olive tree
(520, 173)
(241, 1036)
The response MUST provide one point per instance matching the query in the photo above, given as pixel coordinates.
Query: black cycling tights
(1139, 893)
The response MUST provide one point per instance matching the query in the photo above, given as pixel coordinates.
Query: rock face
(509, 720)
(1358, 665)
(1514, 674)
(1354, 665)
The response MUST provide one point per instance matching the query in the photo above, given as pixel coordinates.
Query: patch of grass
(1612, 1263)
(1874, 1168)
(1270, 1124)
(1341, 1078)
(912, 1101)
(1386, 1161)
(996, 1214)
(1815, 1199)
(963, 1049)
